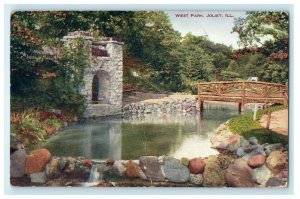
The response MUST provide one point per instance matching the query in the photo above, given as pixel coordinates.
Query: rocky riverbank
(171, 104)
(241, 163)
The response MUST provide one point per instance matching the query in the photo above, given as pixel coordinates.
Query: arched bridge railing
(242, 92)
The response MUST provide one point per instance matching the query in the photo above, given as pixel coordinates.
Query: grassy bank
(247, 127)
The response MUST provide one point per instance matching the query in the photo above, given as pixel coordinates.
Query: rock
(119, 166)
(39, 177)
(196, 165)
(142, 175)
(277, 161)
(268, 148)
(240, 152)
(284, 174)
(261, 175)
(222, 127)
(248, 148)
(53, 168)
(70, 165)
(221, 147)
(253, 141)
(161, 159)
(233, 147)
(243, 142)
(62, 163)
(109, 173)
(87, 163)
(110, 162)
(224, 160)
(184, 161)
(256, 161)
(234, 139)
(256, 150)
(132, 170)
(174, 171)
(196, 179)
(213, 175)
(17, 163)
(37, 160)
(239, 174)
(151, 168)
(276, 182)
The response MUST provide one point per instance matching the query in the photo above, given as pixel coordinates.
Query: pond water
(132, 136)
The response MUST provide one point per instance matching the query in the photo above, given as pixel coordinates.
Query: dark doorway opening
(95, 89)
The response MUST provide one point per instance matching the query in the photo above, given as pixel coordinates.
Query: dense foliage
(46, 75)
(31, 127)
(265, 35)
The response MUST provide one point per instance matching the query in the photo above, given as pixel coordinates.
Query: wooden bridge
(242, 92)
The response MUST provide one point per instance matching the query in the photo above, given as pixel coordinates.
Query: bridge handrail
(235, 82)
(242, 92)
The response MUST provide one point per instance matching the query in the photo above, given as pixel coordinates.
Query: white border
(294, 94)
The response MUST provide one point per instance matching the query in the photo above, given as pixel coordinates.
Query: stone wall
(106, 63)
(241, 163)
(188, 105)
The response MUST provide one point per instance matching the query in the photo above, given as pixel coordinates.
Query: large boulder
(17, 163)
(213, 175)
(196, 165)
(119, 166)
(256, 161)
(261, 175)
(174, 171)
(277, 161)
(37, 160)
(151, 168)
(239, 174)
(132, 170)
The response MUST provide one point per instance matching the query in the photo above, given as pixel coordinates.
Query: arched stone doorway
(100, 88)
(103, 78)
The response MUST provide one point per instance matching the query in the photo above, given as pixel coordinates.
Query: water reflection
(153, 134)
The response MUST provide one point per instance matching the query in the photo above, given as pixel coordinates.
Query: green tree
(266, 33)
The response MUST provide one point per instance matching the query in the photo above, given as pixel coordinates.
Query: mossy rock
(184, 161)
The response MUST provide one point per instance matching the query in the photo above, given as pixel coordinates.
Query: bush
(28, 128)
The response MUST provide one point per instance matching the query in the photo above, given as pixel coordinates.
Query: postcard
(149, 98)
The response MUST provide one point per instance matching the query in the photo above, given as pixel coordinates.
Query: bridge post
(200, 102)
(241, 105)
(268, 120)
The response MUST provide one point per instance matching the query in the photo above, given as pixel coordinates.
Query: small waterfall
(94, 177)
(94, 174)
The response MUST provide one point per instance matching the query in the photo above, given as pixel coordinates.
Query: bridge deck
(242, 92)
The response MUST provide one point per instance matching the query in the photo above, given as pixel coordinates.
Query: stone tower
(103, 77)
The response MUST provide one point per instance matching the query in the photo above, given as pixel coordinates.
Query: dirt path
(279, 121)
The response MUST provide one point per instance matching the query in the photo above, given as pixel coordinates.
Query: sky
(217, 25)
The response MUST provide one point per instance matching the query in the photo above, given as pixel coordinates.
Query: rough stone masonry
(103, 77)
